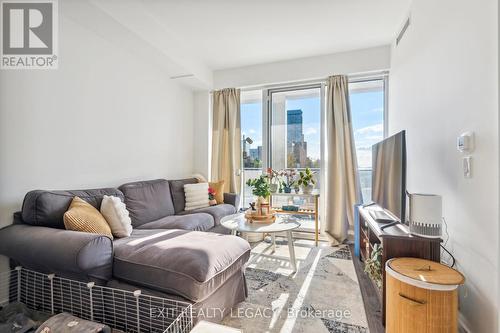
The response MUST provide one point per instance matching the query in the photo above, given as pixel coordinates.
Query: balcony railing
(365, 177)
(250, 173)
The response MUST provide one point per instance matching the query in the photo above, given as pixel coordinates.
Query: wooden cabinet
(421, 296)
(396, 241)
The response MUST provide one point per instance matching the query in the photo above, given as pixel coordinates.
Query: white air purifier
(426, 215)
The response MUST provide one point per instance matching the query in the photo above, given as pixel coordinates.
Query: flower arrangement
(211, 196)
(288, 181)
(273, 177)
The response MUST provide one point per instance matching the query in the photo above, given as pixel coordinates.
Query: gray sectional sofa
(171, 252)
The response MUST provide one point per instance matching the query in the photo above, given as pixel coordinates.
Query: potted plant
(273, 177)
(373, 265)
(306, 181)
(288, 180)
(260, 188)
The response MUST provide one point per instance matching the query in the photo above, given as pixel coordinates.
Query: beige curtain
(226, 139)
(342, 187)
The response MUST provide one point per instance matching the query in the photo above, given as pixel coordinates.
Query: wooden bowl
(268, 218)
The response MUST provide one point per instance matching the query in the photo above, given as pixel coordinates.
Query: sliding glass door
(282, 129)
(294, 133)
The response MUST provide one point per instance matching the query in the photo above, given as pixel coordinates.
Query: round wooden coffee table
(283, 223)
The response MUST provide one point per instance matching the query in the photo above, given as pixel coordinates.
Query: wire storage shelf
(120, 309)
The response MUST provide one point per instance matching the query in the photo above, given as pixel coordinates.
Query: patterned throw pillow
(218, 187)
(82, 216)
(116, 214)
(196, 196)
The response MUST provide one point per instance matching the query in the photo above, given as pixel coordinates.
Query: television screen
(389, 174)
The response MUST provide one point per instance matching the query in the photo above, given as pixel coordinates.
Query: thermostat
(465, 142)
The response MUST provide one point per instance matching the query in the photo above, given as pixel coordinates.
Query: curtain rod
(351, 77)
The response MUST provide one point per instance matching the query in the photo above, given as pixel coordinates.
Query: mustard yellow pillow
(82, 216)
(218, 187)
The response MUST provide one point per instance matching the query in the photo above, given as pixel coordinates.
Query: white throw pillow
(116, 214)
(196, 196)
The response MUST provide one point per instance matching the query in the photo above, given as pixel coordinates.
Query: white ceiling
(196, 37)
(233, 33)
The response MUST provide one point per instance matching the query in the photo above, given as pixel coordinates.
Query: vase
(273, 188)
(261, 200)
(287, 189)
(307, 189)
(212, 202)
(297, 190)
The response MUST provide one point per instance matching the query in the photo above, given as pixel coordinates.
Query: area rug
(323, 296)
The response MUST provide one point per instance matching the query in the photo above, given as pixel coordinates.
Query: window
(295, 129)
(288, 135)
(367, 101)
(251, 141)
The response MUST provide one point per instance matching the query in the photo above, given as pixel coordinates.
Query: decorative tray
(253, 216)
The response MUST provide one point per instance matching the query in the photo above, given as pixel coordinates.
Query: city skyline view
(367, 112)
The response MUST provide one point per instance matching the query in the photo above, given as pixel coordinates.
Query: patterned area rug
(323, 296)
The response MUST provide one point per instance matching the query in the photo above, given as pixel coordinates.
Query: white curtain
(226, 139)
(342, 187)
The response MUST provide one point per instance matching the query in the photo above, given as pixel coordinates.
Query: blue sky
(367, 117)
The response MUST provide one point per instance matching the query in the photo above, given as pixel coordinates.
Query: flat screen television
(389, 174)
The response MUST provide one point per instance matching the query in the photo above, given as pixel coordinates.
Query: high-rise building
(256, 153)
(296, 146)
(294, 127)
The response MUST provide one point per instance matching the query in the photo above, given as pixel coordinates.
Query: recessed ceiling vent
(181, 76)
(403, 31)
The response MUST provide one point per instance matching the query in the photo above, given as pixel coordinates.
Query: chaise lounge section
(171, 252)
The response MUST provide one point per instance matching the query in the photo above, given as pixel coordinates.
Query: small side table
(315, 212)
(238, 222)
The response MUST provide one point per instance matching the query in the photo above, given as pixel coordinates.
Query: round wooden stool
(421, 296)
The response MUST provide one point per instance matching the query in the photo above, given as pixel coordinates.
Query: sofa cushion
(191, 264)
(70, 254)
(198, 222)
(178, 196)
(148, 201)
(196, 196)
(82, 216)
(217, 211)
(219, 229)
(46, 208)
(116, 214)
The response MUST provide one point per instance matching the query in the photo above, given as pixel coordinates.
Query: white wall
(202, 140)
(444, 81)
(359, 61)
(103, 118)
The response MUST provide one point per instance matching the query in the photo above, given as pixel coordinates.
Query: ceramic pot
(297, 190)
(287, 189)
(273, 188)
(261, 200)
(212, 202)
(307, 189)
